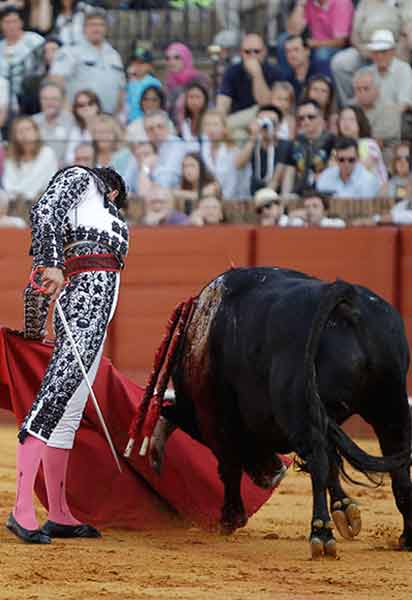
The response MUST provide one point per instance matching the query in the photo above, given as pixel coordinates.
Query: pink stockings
(55, 461)
(28, 460)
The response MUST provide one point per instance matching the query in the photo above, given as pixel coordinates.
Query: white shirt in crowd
(29, 179)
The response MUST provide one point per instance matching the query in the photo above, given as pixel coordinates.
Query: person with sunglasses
(349, 179)
(311, 149)
(248, 82)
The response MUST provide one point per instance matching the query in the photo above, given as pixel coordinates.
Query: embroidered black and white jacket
(74, 208)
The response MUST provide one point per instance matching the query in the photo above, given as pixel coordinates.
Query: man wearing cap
(92, 64)
(269, 208)
(370, 16)
(395, 75)
(140, 77)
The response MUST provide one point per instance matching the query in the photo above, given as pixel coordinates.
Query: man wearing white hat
(395, 75)
(370, 16)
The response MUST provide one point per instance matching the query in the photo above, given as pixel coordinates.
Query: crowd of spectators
(307, 112)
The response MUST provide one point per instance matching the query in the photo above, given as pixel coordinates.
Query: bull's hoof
(228, 525)
(347, 518)
(322, 542)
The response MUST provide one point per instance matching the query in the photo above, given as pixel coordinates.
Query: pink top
(332, 20)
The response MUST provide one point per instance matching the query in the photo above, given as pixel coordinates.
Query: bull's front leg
(345, 511)
(233, 512)
(322, 541)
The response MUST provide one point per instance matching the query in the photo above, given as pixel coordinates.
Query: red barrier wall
(367, 256)
(165, 266)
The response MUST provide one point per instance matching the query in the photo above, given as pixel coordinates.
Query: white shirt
(234, 182)
(30, 178)
(361, 184)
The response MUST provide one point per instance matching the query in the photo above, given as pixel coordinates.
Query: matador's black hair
(113, 181)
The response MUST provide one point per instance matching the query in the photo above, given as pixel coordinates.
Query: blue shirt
(361, 184)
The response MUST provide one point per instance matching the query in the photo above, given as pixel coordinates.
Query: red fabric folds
(188, 490)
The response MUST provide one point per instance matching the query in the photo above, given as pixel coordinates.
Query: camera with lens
(266, 124)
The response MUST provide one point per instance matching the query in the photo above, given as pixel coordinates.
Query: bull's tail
(335, 294)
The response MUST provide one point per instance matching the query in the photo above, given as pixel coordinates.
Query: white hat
(382, 39)
(264, 196)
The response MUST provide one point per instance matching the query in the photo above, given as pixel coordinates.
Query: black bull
(274, 361)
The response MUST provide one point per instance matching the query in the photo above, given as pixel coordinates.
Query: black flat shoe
(52, 529)
(30, 536)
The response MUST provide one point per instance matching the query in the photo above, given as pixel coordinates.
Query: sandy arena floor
(267, 560)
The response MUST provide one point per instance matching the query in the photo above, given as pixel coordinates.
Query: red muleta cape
(188, 490)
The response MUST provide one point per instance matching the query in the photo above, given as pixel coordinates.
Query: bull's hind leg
(233, 511)
(345, 511)
(392, 441)
(322, 541)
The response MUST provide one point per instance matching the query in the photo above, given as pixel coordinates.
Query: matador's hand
(53, 280)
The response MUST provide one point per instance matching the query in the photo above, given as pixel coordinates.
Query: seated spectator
(86, 106)
(69, 21)
(92, 64)
(84, 155)
(152, 99)
(223, 159)
(329, 23)
(384, 118)
(353, 123)
(399, 185)
(5, 219)
(54, 122)
(248, 82)
(267, 156)
(108, 141)
(4, 102)
(179, 73)
(311, 149)
(302, 65)
(315, 212)
(370, 16)
(195, 102)
(269, 208)
(349, 179)
(169, 148)
(209, 211)
(321, 89)
(17, 51)
(400, 214)
(29, 164)
(140, 77)
(283, 97)
(394, 75)
(196, 181)
(140, 170)
(159, 208)
(32, 81)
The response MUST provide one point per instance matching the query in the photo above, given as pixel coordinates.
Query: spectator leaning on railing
(349, 179)
(315, 212)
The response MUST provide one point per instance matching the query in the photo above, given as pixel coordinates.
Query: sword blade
(86, 378)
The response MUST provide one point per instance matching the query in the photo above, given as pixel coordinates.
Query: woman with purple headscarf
(180, 72)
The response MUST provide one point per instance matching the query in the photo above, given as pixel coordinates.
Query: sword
(83, 370)
(85, 377)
